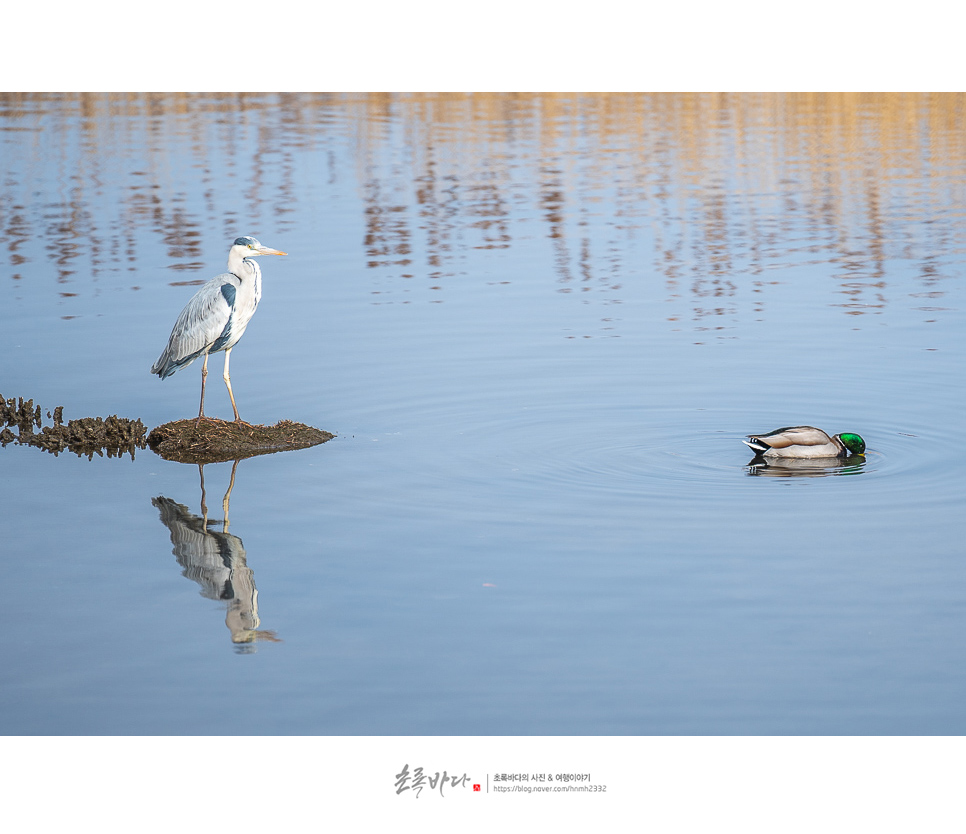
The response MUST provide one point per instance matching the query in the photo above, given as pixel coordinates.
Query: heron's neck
(244, 268)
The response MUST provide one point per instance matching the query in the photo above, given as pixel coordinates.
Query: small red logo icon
(476, 787)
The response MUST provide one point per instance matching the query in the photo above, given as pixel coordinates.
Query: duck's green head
(854, 443)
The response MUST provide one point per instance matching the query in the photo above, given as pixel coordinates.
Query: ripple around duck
(686, 456)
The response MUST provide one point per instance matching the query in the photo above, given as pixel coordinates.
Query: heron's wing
(201, 323)
(793, 436)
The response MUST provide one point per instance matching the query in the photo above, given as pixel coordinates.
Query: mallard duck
(805, 442)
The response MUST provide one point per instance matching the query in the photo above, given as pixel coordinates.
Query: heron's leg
(204, 376)
(231, 486)
(228, 383)
(204, 506)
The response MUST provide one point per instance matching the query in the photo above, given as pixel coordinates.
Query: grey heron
(216, 316)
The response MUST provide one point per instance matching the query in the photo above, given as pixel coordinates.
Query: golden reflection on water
(715, 194)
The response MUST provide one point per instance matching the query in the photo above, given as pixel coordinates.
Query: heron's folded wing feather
(202, 321)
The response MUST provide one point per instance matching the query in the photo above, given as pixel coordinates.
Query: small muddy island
(211, 440)
(185, 441)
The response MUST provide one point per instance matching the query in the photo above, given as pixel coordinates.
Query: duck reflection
(805, 467)
(216, 560)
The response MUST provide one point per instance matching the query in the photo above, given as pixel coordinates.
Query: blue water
(539, 327)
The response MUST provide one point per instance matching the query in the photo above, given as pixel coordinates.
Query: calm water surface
(539, 326)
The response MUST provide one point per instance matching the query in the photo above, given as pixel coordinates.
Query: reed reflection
(217, 561)
(717, 196)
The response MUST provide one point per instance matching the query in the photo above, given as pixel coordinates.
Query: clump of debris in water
(189, 441)
(88, 436)
(210, 440)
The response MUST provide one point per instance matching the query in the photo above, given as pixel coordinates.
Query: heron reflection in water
(216, 561)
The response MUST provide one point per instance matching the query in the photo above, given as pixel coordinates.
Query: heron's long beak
(264, 250)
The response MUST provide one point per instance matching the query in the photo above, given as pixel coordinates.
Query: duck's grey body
(805, 442)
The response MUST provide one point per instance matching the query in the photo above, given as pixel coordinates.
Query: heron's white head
(249, 247)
